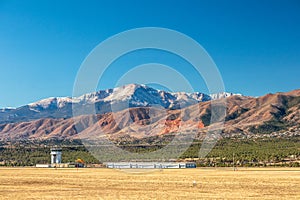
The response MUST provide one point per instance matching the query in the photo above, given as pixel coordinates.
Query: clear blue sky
(255, 44)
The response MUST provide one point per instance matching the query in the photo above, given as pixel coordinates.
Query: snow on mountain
(103, 101)
(136, 95)
(56, 102)
(92, 97)
(122, 93)
(222, 95)
(197, 96)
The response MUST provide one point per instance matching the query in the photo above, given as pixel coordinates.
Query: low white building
(149, 165)
(42, 165)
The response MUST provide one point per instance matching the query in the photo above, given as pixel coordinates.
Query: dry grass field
(220, 183)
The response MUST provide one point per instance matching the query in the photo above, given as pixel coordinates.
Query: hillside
(246, 116)
(105, 101)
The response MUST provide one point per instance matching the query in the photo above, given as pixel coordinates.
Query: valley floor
(211, 183)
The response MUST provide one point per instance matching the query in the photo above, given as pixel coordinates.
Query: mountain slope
(104, 101)
(278, 112)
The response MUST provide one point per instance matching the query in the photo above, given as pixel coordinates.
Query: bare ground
(211, 183)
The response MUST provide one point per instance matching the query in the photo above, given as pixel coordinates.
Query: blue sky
(255, 44)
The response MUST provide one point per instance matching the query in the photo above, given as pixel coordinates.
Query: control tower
(55, 155)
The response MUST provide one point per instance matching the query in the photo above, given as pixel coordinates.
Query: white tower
(55, 155)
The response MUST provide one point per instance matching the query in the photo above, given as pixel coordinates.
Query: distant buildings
(150, 165)
(56, 161)
(55, 156)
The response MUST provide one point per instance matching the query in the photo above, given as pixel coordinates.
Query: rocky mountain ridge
(245, 116)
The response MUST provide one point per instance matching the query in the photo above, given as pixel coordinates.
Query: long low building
(42, 165)
(61, 165)
(149, 165)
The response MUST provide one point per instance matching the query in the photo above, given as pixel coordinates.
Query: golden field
(212, 183)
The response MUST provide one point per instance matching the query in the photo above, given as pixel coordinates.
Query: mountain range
(138, 111)
(104, 101)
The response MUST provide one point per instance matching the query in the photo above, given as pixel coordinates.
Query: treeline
(260, 152)
(30, 156)
(226, 152)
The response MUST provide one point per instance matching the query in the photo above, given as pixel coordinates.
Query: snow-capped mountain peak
(132, 95)
(223, 95)
(58, 102)
(123, 92)
(140, 95)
